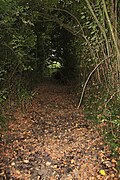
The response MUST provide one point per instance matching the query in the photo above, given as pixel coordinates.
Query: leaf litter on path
(53, 141)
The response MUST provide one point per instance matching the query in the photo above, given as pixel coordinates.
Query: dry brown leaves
(52, 141)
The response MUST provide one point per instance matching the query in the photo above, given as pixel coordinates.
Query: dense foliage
(83, 36)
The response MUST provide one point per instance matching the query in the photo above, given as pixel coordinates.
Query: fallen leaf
(13, 163)
(114, 161)
(48, 163)
(26, 161)
(17, 172)
(72, 161)
(102, 172)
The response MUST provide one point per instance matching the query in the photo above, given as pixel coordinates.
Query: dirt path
(52, 141)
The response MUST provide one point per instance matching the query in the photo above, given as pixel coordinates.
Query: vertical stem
(112, 33)
(99, 25)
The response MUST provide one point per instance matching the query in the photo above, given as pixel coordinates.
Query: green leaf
(83, 17)
(102, 172)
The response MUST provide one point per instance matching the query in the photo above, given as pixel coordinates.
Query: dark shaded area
(60, 77)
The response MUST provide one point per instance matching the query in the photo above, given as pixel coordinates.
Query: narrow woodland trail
(52, 141)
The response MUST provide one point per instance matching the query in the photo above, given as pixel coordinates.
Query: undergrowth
(104, 111)
(9, 101)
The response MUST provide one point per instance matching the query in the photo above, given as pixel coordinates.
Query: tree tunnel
(56, 54)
